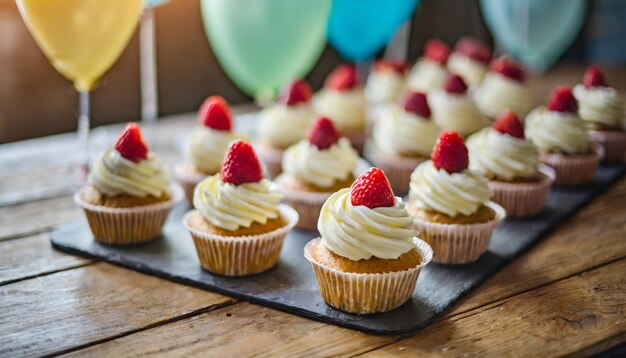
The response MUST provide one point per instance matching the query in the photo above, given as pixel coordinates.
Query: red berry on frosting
(450, 152)
(593, 77)
(323, 133)
(215, 114)
(563, 100)
(372, 189)
(241, 164)
(343, 78)
(130, 143)
(437, 51)
(417, 103)
(296, 92)
(508, 68)
(508, 123)
(454, 84)
(389, 65)
(473, 49)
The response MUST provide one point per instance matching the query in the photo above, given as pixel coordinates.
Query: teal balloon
(155, 3)
(536, 32)
(358, 29)
(263, 44)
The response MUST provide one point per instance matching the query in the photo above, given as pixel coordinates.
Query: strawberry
(130, 143)
(417, 103)
(241, 164)
(562, 100)
(450, 152)
(372, 189)
(454, 84)
(437, 51)
(508, 68)
(296, 92)
(389, 65)
(473, 49)
(343, 78)
(215, 114)
(593, 77)
(323, 133)
(508, 123)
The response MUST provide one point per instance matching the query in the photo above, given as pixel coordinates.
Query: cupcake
(563, 144)
(602, 109)
(316, 167)
(454, 109)
(129, 194)
(342, 99)
(284, 123)
(429, 72)
(403, 138)
(384, 86)
(504, 88)
(368, 258)
(470, 60)
(207, 144)
(238, 225)
(511, 164)
(450, 203)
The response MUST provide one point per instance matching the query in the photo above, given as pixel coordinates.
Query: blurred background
(35, 100)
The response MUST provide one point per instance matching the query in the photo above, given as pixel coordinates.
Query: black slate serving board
(291, 285)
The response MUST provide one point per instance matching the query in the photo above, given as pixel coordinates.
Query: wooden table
(567, 295)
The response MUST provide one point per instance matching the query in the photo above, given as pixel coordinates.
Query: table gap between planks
(565, 296)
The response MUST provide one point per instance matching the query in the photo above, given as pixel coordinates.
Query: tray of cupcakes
(459, 176)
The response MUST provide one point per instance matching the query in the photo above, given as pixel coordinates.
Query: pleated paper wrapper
(188, 179)
(523, 199)
(613, 142)
(397, 169)
(271, 158)
(574, 169)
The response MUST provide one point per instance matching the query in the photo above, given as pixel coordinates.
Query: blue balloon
(155, 3)
(536, 32)
(358, 29)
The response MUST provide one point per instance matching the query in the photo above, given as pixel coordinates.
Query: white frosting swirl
(345, 108)
(557, 131)
(282, 126)
(451, 194)
(498, 93)
(115, 175)
(426, 75)
(322, 168)
(233, 206)
(501, 155)
(384, 87)
(358, 232)
(600, 105)
(207, 147)
(456, 112)
(401, 132)
(470, 70)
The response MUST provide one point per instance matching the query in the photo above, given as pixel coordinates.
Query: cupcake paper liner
(573, 169)
(397, 169)
(365, 293)
(188, 179)
(128, 226)
(523, 199)
(271, 158)
(613, 142)
(241, 255)
(356, 137)
(458, 243)
(309, 204)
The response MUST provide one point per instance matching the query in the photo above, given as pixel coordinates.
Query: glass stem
(83, 130)
(147, 66)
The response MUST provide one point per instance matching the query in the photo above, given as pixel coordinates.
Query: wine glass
(81, 39)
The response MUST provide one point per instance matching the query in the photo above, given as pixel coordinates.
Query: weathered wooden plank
(562, 318)
(57, 312)
(37, 216)
(33, 256)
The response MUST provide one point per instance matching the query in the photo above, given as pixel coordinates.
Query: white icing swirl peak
(562, 132)
(600, 105)
(400, 132)
(384, 86)
(453, 194)
(471, 70)
(115, 175)
(282, 125)
(456, 112)
(207, 147)
(358, 232)
(231, 206)
(426, 75)
(496, 154)
(498, 93)
(345, 108)
(322, 168)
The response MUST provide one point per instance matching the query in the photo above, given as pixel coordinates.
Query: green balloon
(263, 44)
